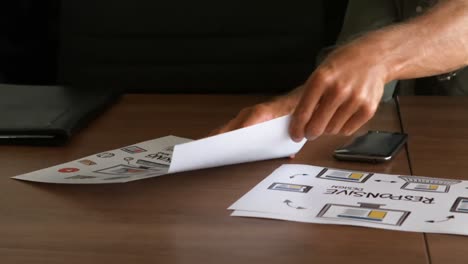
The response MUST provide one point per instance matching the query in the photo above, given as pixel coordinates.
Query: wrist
(384, 55)
(399, 48)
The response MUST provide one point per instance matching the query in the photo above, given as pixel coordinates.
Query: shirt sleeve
(366, 15)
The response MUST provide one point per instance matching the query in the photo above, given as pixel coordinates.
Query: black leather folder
(48, 115)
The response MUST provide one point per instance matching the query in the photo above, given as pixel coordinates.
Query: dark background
(29, 37)
(154, 46)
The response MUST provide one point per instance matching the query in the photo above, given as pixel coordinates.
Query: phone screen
(374, 143)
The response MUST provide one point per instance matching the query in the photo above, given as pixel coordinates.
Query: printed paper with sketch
(172, 154)
(333, 196)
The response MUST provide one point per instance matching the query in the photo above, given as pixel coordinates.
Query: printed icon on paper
(149, 164)
(105, 155)
(460, 205)
(68, 170)
(341, 175)
(448, 218)
(80, 177)
(366, 212)
(125, 170)
(427, 184)
(288, 187)
(87, 162)
(298, 175)
(133, 149)
(170, 149)
(160, 157)
(385, 181)
(128, 159)
(291, 204)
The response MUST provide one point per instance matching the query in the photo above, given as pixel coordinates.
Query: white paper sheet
(330, 196)
(268, 140)
(172, 154)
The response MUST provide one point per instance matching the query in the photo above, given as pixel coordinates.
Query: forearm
(434, 43)
(343, 93)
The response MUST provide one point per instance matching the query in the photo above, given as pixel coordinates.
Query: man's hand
(344, 91)
(252, 115)
(342, 94)
(339, 97)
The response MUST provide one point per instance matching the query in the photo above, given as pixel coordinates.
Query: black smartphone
(375, 146)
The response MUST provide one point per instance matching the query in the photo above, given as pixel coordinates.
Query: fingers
(247, 117)
(359, 118)
(278, 106)
(319, 105)
(232, 124)
(304, 110)
(325, 111)
(342, 115)
(332, 106)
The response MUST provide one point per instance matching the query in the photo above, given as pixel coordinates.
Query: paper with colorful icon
(173, 154)
(313, 194)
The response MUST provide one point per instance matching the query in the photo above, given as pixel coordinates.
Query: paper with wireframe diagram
(313, 194)
(173, 154)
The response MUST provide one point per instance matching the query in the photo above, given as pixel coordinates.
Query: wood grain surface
(438, 145)
(181, 218)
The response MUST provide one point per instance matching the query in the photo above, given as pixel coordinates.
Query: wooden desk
(180, 218)
(438, 145)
